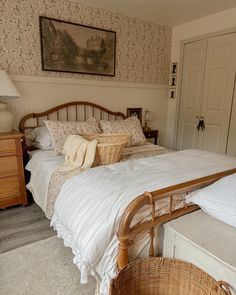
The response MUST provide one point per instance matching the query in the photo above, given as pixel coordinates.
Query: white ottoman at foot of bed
(204, 241)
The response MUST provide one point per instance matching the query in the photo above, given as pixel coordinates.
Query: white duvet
(89, 206)
(43, 163)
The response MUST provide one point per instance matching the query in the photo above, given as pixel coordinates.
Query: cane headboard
(71, 111)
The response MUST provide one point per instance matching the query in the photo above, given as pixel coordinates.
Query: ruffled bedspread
(89, 206)
(58, 177)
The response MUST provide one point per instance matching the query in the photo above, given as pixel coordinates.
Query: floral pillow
(129, 126)
(60, 130)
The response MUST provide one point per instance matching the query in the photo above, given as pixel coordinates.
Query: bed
(100, 213)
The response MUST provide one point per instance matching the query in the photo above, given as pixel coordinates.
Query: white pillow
(40, 138)
(218, 199)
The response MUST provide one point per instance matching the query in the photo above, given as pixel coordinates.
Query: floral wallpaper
(142, 49)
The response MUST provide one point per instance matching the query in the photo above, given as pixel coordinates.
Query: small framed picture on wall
(172, 93)
(173, 69)
(137, 112)
(173, 80)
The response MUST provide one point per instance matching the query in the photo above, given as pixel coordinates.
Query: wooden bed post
(123, 257)
(124, 233)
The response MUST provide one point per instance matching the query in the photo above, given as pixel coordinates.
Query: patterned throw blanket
(60, 176)
(79, 157)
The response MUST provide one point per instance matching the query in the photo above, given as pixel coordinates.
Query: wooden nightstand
(151, 134)
(12, 180)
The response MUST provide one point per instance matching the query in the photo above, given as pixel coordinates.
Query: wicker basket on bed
(109, 147)
(163, 276)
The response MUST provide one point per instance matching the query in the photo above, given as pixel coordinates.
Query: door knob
(201, 124)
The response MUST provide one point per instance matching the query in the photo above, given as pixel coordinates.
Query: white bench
(205, 242)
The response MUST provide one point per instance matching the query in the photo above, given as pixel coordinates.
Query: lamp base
(6, 119)
(146, 127)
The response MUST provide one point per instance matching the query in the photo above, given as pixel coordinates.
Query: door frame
(180, 73)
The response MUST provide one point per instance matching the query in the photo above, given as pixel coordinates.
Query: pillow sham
(131, 126)
(218, 199)
(40, 138)
(60, 130)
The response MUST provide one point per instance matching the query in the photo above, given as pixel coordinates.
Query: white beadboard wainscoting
(41, 93)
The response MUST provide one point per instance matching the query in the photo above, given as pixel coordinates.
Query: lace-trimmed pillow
(60, 130)
(129, 126)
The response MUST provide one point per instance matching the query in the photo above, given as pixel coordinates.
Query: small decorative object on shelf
(137, 112)
(173, 79)
(146, 120)
(151, 134)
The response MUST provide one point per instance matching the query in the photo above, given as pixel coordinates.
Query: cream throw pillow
(129, 126)
(60, 130)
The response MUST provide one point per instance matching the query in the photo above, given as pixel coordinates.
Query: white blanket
(43, 163)
(89, 206)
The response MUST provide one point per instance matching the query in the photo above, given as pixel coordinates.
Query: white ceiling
(166, 12)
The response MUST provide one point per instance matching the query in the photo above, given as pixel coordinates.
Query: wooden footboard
(127, 232)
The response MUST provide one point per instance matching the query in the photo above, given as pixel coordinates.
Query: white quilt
(89, 206)
(43, 163)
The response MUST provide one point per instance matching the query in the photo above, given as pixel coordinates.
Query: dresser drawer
(7, 146)
(8, 166)
(149, 135)
(9, 186)
(9, 201)
(12, 181)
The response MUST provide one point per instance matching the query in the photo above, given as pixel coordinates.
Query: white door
(218, 91)
(191, 92)
(231, 144)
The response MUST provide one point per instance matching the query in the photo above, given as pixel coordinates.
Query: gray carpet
(41, 268)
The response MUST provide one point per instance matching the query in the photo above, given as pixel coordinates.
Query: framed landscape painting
(75, 48)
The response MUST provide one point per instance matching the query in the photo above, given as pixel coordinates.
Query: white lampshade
(147, 114)
(7, 88)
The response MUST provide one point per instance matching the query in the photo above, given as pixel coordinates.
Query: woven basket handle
(223, 285)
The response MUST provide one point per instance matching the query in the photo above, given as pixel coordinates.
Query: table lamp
(7, 91)
(146, 120)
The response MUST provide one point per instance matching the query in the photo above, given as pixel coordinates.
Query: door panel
(210, 138)
(218, 92)
(215, 89)
(189, 135)
(192, 86)
(193, 82)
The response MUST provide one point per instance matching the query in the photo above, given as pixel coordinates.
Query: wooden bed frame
(78, 106)
(126, 232)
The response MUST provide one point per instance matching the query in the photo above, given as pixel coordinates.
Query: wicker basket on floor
(163, 276)
(109, 147)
